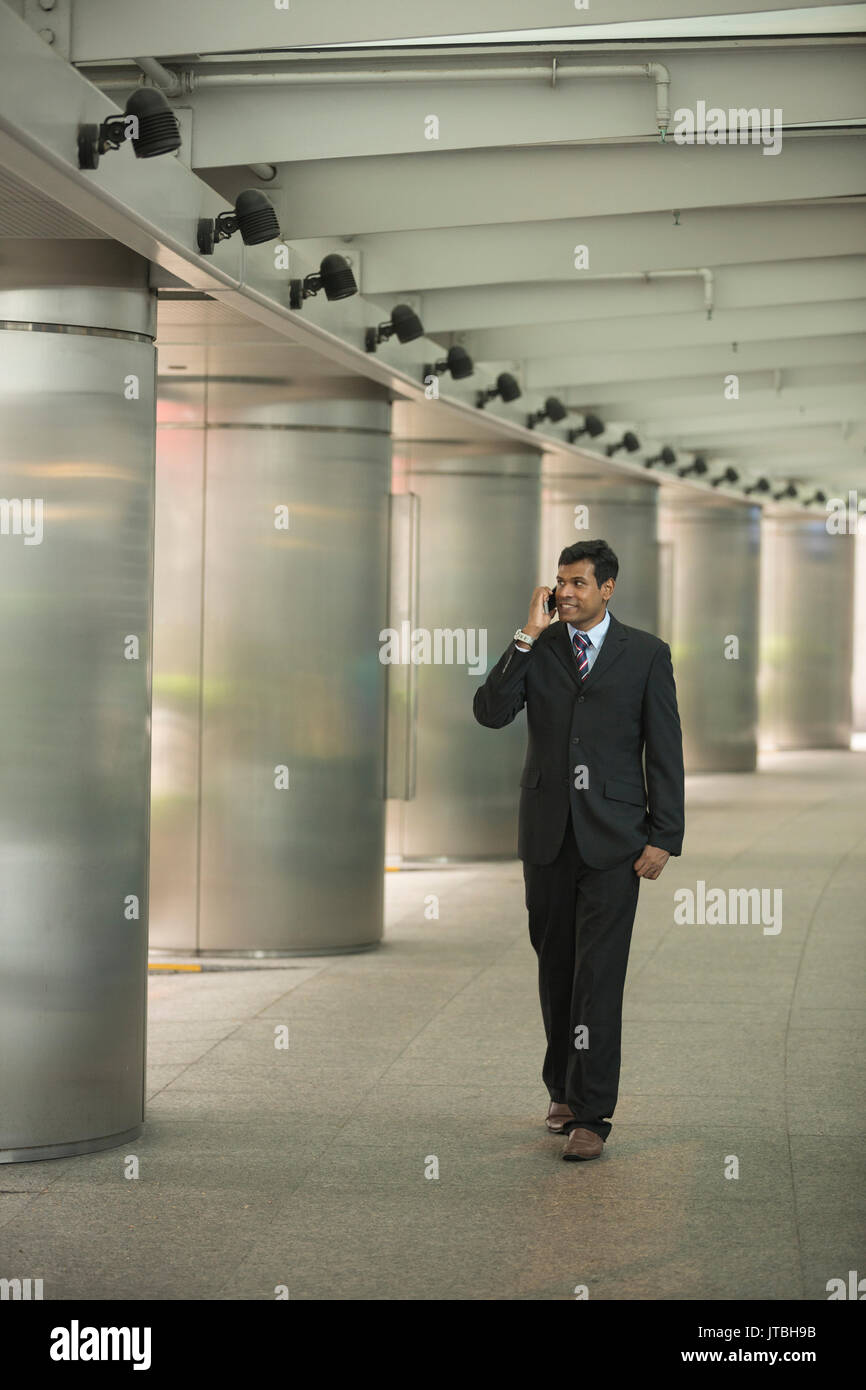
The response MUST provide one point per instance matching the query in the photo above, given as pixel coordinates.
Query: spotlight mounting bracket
(94, 140)
(299, 290)
(205, 236)
(214, 229)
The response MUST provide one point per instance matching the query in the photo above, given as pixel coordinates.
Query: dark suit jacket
(627, 704)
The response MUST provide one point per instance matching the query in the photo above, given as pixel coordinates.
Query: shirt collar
(595, 634)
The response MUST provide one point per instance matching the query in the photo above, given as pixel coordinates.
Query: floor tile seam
(185, 1066)
(458, 991)
(284, 1208)
(364, 1093)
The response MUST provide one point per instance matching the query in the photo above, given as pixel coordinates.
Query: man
(598, 696)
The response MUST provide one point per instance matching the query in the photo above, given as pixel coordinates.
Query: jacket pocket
(625, 791)
(530, 777)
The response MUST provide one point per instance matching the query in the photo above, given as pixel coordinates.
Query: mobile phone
(550, 602)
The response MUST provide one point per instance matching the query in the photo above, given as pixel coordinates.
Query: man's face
(579, 600)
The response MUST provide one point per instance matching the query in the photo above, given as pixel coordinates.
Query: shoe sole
(580, 1158)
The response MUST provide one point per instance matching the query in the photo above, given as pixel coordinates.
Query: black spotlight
(816, 497)
(147, 121)
(334, 276)
(629, 441)
(254, 217)
(762, 485)
(789, 491)
(506, 389)
(591, 426)
(552, 410)
(730, 475)
(665, 456)
(403, 321)
(697, 466)
(458, 363)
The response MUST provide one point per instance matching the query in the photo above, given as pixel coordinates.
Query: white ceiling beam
(279, 123)
(774, 438)
(410, 262)
(758, 390)
(737, 421)
(121, 28)
(593, 372)
(470, 188)
(845, 433)
(660, 332)
(766, 283)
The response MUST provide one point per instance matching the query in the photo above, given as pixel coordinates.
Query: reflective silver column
(478, 565)
(76, 532)
(807, 622)
(715, 550)
(585, 506)
(858, 675)
(269, 719)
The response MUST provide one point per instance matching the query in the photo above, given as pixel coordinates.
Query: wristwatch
(521, 636)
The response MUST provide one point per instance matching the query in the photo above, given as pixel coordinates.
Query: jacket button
(580, 699)
(575, 740)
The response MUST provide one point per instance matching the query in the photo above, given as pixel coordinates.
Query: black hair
(605, 563)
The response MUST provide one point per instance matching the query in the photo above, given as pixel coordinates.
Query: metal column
(76, 551)
(478, 565)
(268, 808)
(715, 549)
(807, 623)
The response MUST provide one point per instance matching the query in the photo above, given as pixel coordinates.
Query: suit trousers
(580, 925)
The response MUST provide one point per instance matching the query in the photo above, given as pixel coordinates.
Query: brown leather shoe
(583, 1143)
(558, 1116)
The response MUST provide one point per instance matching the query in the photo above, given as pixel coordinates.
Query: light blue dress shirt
(596, 636)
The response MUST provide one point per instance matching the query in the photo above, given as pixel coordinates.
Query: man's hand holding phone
(539, 618)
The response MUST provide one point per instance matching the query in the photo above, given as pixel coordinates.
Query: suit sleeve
(502, 696)
(663, 743)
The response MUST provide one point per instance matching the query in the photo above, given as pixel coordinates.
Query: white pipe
(168, 82)
(266, 172)
(190, 81)
(662, 78)
(706, 274)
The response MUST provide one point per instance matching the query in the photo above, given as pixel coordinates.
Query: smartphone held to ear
(550, 602)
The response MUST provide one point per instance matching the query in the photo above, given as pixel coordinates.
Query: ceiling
(475, 217)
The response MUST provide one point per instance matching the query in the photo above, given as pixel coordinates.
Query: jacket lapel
(611, 648)
(565, 651)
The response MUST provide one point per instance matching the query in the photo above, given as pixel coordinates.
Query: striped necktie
(581, 642)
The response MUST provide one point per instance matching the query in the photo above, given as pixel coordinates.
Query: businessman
(600, 699)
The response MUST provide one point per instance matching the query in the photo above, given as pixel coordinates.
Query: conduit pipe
(160, 77)
(705, 273)
(187, 81)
